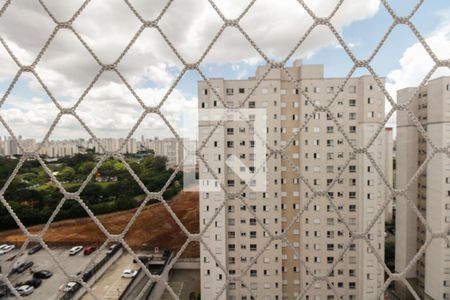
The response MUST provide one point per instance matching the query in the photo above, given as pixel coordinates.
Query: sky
(151, 67)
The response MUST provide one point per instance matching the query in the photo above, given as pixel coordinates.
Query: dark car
(166, 253)
(34, 282)
(112, 248)
(4, 290)
(143, 259)
(24, 266)
(34, 249)
(42, 274)
(89, 250)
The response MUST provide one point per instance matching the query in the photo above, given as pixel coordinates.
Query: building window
(352, 102)
(241, 90)
(229, 91)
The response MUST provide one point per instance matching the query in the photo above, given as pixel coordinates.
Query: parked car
(34, 249)
(128, 273)
(69, 286)
(42, 274)
(75, 250)
(111, 248)
(34, 282)
(143, 259)
(89, 250)
(24, 266)
(7, 249)
(25, 290)
(166, 253)
(4, 290)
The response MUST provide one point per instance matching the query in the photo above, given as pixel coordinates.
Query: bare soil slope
(153, 227)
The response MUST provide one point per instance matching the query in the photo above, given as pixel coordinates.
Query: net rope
(272, 151)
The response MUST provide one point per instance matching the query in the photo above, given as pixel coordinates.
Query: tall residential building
(320, 153)
(168, 147)
(9, 147)
(430, 191)
(389, 167)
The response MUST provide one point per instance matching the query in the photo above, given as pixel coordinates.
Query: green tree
(154, 163)
(389, 253)
(124, 203)
(86, 167)
(66, 174)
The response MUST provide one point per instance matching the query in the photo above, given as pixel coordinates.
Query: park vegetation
(34, 196)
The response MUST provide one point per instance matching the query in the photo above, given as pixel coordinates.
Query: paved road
(111, 284)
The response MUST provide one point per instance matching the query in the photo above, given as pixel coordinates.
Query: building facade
(317, 240)
(430, 192)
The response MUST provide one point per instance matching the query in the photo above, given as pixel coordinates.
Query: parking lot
(43, 261)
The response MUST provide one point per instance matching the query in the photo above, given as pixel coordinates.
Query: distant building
(430, 192)
(389, 174)
(168, 147)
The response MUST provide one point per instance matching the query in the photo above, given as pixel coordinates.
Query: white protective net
(60, 25)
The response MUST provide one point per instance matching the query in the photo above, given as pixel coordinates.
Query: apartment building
(317, 239)
(168, 147)
(9, 147)
(430, 276)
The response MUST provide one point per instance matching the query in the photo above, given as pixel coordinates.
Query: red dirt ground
(153, 227)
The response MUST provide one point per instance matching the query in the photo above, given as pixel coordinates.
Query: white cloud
(416, 63)
(150, 65)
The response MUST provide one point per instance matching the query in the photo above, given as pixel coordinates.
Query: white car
(69, 286)
(75, 250)
(7, 249)
(25, 290)
(128, 273)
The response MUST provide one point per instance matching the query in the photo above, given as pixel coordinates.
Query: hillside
(153, 227)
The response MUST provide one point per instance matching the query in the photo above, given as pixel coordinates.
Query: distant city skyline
(175, 152)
